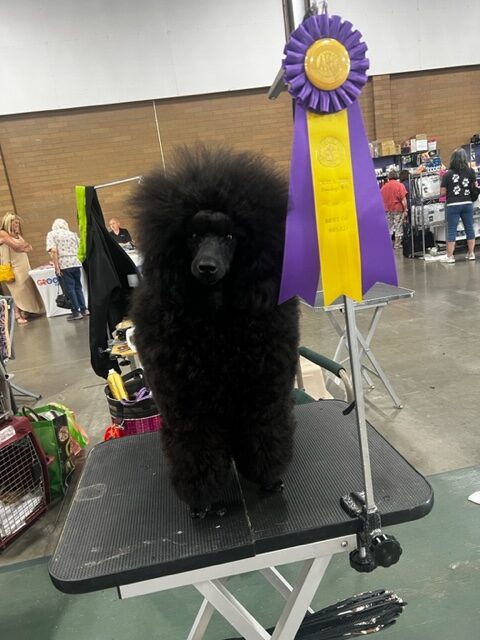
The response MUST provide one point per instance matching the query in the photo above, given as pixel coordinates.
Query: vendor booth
(48, 286)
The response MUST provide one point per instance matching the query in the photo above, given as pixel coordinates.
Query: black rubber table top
(126, 524)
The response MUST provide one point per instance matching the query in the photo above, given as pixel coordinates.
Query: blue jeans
(465, 212)
(73, 288)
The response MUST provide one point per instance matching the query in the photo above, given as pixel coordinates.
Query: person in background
(404, 177)
(394, 197)
(121, 235)
(62, 245)
(456, 186)
(26, 298)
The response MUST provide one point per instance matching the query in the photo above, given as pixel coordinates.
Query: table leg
(232, 610)
(381, 374)
(365, 350)
(305, 587)
(277, 581)
(200, 625)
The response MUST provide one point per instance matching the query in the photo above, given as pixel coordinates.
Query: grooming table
(376, 299)
(127, 529)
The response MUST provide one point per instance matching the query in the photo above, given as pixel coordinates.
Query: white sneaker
(449, 259)
(470, 256)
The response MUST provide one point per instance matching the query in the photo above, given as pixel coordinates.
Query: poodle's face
(212, 242)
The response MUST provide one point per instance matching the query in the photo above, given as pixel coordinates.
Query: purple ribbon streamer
(301, 266)
(378, 260)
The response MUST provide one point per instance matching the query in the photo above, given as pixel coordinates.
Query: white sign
(48, 287)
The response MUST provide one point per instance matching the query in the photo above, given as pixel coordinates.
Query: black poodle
(219, 353)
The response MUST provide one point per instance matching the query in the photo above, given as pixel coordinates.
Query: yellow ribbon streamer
(335, 209)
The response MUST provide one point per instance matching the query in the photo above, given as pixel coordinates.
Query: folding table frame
(211, 583)
(376, 299)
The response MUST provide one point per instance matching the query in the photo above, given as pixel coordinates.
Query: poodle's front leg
(199, 465)
(264, 450)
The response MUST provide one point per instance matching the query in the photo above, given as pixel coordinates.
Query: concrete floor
(428, 347)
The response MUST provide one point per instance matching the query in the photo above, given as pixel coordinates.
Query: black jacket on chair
(107, 267)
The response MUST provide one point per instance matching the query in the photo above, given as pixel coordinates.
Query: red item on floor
(112, 432)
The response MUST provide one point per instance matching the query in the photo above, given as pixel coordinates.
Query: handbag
(50, 426)
(474, 191)
(6, 270)
(62, 300)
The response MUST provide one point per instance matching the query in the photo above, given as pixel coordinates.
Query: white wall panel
(65, 53)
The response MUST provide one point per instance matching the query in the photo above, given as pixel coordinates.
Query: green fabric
(54, 439)
(82, 221)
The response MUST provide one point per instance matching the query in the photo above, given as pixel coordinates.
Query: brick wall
(44, 155)
(443, 103)
(47, 154)
(6, 200)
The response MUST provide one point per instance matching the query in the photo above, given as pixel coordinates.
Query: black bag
(63, 301)
(417, 241)
(474, 191)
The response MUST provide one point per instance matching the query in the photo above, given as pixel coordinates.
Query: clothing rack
(17, 390)
(111, 184)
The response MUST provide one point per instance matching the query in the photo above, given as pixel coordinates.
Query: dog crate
(23, 479)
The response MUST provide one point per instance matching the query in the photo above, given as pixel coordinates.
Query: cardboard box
(422, 144)
(387, 147)
(432, 145)
(413, 145)
(421, 136)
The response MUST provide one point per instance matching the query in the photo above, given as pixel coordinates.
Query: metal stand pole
(374, 547)
(359, 402)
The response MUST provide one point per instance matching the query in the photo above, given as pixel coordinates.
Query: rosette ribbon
(336, 223)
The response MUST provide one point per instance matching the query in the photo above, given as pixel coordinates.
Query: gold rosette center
(327, 64)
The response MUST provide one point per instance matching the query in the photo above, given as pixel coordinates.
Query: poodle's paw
(273, 487)
(211, 510)
(199, 513)
(220, 510)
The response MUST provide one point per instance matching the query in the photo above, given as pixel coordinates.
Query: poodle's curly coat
(220, 355)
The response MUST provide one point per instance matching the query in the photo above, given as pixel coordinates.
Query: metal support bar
(232, 610)
(111, 184)
(279, 583)
(380, 372)
(203, 618)
(200, 625)
(352, 334)
(365, 351)
(20, 391)
(323, 548)
(305, 588)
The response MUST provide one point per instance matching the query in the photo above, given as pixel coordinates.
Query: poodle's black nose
(207, 268)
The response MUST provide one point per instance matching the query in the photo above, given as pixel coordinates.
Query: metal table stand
(377, 299)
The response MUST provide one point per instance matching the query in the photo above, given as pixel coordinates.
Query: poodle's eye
(229, 237)
(194, 236)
